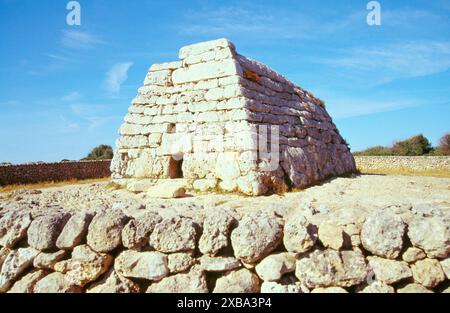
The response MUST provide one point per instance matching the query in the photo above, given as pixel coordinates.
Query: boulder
(180, 262)
(3, 254)
(14, 265)
(330, 268)
(44, 230)
(216, 232)
(431, 234)
(75, 231)
(136, 233)
(219, 264)
(428, 272)
(378, 287)
(105, 231)
(299, 234)
(48, 260)
(274, 266)
(445, 264)
(142, 265)
(331, 235)
(26, 284)
(114, 283)
(193, 281)
(256, 236)
(85, 266)
(413, 254)
(239, 281)
(13, 227)
(55, 283)
(382, 234)
(174, 234)
(167, 190)
(389, 271)
(413, 288)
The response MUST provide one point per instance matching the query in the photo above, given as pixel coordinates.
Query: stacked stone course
(201, 119)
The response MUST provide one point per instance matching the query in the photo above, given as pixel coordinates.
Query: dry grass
(44, 185)
(406, 172)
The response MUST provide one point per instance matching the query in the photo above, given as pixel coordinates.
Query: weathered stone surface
(428, 272)
(240, 281)
(142, 265)
(272, 267)
(13, 227)
(193, 281)
(445, 264)
(299, 234)
(174, 235)
(85, 266)
(219, 264)
(431, 234)
(382, 234)
(105, 231)
(203, 71)
(26, 284)
(331, 268)
(413, 254)
(180, 262)
(378, 287)
(167, 190)
(3, 254)
(44, 230)
(273, 287)
(114, 283)
(55, 283)
(329, 290)
(414, 288)
(216, 232)
(48, 260)
(331, 235)
(389, 271)
(75, 230)
(14, 265)
(136, 233)
(256, 236)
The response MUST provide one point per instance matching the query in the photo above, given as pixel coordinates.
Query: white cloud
(79, 40)
(116, 76)
(72, 96)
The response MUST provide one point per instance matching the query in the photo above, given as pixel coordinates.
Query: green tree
(444, 144)
(375, 151)
(414, 146)
(102, 152)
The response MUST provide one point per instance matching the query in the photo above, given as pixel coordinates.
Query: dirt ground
(359, 194)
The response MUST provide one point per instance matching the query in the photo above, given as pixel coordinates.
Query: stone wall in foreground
(110, 252)
(410, 163)
(45, 172)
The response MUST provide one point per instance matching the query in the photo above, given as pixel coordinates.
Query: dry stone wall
(108, 251)
(411, 163)
(46, 172)
(220, 120)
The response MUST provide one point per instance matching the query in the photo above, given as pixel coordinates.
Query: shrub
(417, 145)
(102, 152)
(375, 151)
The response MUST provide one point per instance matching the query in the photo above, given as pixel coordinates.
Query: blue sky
(65, 89)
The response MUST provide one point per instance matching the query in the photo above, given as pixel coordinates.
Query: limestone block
(202, 47)
(166, 66)
(162, 78)
(203, 71)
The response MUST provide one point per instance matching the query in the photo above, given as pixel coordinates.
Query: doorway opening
(175, 168)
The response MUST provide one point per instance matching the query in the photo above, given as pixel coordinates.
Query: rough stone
(329, 290)
(389, 271)
(114, 283)
(428, 272)
(136, 233)
(273, 287)
(445, 264)
(167, 190)
(216, 232)
(413, 288)
(219, 264)
(75, 231)
(331, 235)
(142, 265)
(44, 230)
(193, 281)
(180, 262)
(413, 254)
(14, 265)
(239, 281)
(431, 234)
(26, 284)
(382, 234)
(55, 283)
(274, 266)
(105, 231)
(13, 227)
(299, 234)
(378, 287)
(48, 260)
(256, 236)
(174, 234)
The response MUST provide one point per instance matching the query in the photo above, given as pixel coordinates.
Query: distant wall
(44, 172)
(413, 163)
